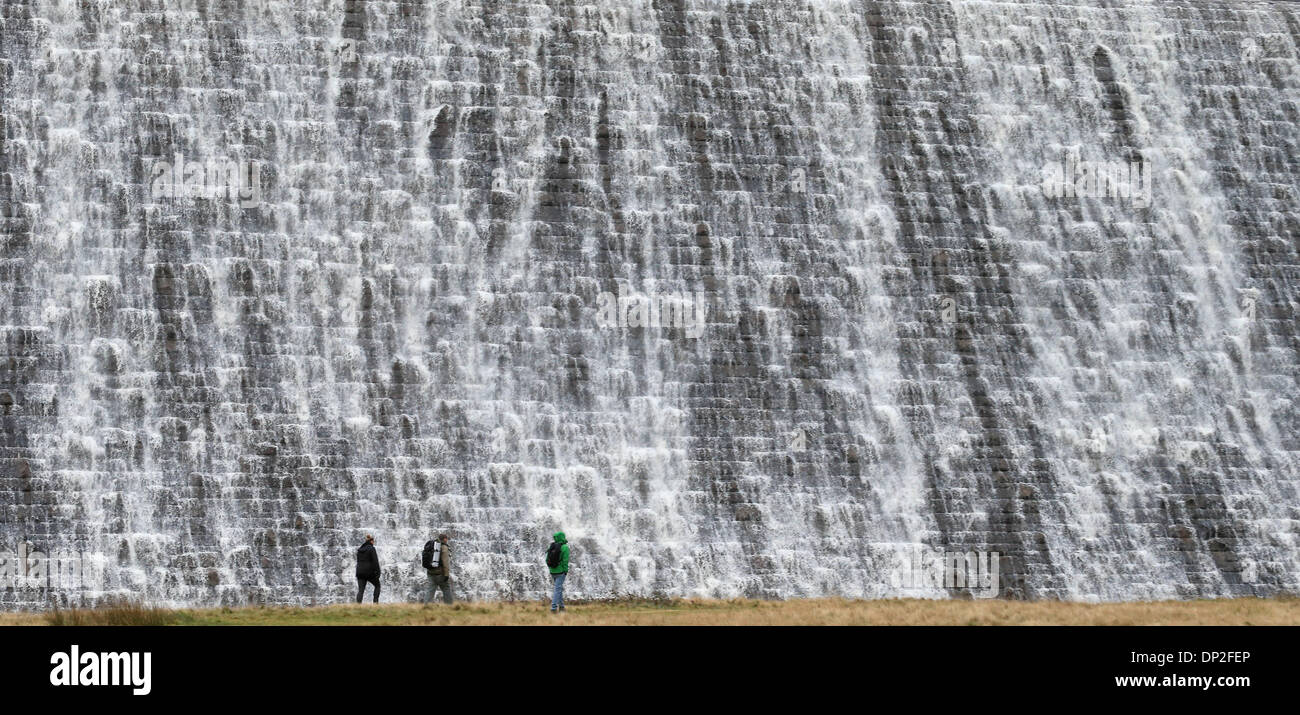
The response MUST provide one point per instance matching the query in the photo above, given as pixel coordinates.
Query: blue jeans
(557, 598)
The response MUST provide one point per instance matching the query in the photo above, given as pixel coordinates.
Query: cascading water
(278, 273)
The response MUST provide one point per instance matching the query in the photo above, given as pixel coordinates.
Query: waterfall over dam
(747, 297)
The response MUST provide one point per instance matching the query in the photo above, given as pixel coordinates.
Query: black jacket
(367, 561)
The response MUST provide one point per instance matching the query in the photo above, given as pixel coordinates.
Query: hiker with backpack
(436, 560)
(367, 568)
(557, 560)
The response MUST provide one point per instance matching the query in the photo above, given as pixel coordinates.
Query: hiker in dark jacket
(559, 570)
(367, 568)
(440, 573)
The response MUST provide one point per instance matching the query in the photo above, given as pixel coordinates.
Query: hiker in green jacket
(557, 560)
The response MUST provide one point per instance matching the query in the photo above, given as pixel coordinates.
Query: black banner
(693, 666)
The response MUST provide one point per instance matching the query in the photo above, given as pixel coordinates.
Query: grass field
(1244, 611)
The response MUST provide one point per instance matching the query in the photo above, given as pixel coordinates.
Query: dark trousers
(435, 583)
(361, 586)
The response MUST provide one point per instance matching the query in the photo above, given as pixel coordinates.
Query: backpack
(432, 556)
(554, 554)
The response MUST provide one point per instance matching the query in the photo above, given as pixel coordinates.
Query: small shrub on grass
(121, 613)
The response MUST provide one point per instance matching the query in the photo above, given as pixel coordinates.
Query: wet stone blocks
(907, 343)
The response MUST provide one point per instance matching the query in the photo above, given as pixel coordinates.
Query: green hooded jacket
(564, 553)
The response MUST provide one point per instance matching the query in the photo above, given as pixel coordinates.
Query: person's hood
(559, 537)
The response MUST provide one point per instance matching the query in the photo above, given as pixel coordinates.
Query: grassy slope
(1244, 611)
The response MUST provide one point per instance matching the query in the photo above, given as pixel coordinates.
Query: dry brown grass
(1243, 611)
(114, 614)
